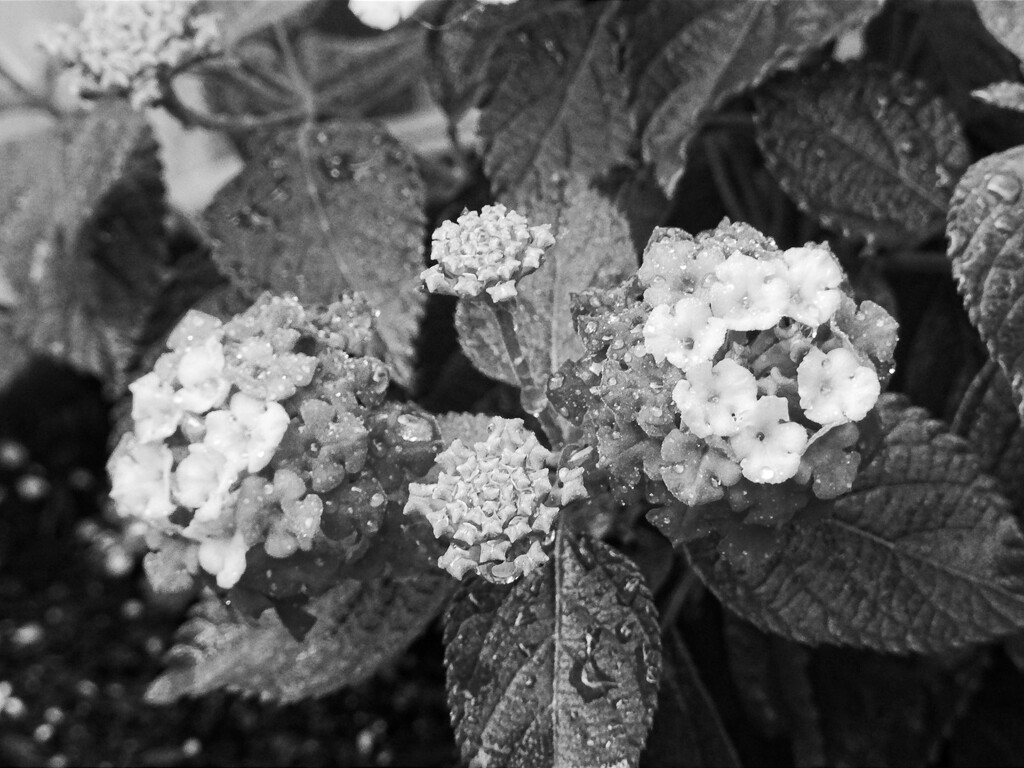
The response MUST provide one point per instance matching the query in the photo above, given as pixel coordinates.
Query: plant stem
(531, 392)
(683, 590)
(189, 117)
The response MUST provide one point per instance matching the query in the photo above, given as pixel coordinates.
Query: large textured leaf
(1005, 20)
(986, 232)
(560, 669)
(845, 707)
(592, 248)
(688, 57)
(82, 238)
(239, 19)
(555, 100)
(866, 151)
(922, 555)
(687, 728)
(988, 418)
(360, 627)
(1007, 95)
(324, 209)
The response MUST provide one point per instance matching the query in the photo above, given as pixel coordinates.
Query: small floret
(835, 388)
(814, 276)
(769, 445)
(751, 294)
(714, 400)
(140, 477)
(674, 268)
(684, 334)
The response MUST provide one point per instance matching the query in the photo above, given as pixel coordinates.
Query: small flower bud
(487, 252)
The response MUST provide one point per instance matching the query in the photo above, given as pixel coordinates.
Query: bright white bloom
(673, 269)
(769, 446)
(224, 558)
(155, 411)
(265, 423)
(121, 46)
(835, 388)
(383, 14)
(715, 400)
(814, 276)
(684, 334)
(140, 478)
(751, 295)
(202, 481)
(486, 251)
(201, 374)
(495, 502)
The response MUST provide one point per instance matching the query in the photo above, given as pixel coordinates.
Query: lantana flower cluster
(269, 430)
(486, 251)
(495, 503)
(726, 365)
(121, 46)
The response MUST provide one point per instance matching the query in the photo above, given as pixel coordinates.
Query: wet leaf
(359, 628)
(82, 239)
(1005, 20)
(866, 151)
(1006, 95)
(560, 669)
(985, 232)
(687, 728)
(687, 58)
(846, 707)
(592, 248)
(555, 100)
(325, 209)
(922, 555)
(988, 419)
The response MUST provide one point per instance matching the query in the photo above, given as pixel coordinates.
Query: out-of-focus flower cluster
(496, 502)
(121, 46)
(270, 430)
(486, 251)
(727, 368)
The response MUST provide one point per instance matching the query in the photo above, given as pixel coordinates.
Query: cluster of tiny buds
(485, 252)
(206, 417)
(707, 303)
(120, 47)
(495, 502)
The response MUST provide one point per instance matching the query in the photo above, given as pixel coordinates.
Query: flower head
(684, 334)
(495, 502)
(121, 46)
(835, 388)
(486, 251)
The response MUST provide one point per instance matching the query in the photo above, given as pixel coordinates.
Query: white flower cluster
(204, 420)
(711, 303)
(121, 46)
(495, 502)
(486, 251)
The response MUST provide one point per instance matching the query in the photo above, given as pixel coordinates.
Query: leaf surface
(986, 233)
(1005, 20)
(592, 248)
(325, 209)
(1007, 95)
(555, 100)
(922, 555)
(865, 151)
(359, 628)
(560, 669)
(687, 58)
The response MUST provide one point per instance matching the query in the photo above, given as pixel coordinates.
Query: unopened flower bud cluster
(729, 359)
(487, 252)
(253, 433)
(121, 46)
(496, 502)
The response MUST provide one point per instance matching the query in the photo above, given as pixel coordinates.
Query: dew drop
(1004, 187)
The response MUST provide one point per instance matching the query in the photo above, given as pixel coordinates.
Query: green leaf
(359, 628)
(865, 151)
(1006, 95)
(988, 419)
(985, 229)
(560, 669)
(846, 707)
(687, 728)
(592, 248)
(325, 209)
(1005, 20)
(555, 100)
(922, 555)
(687, 58)
(82, 239)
